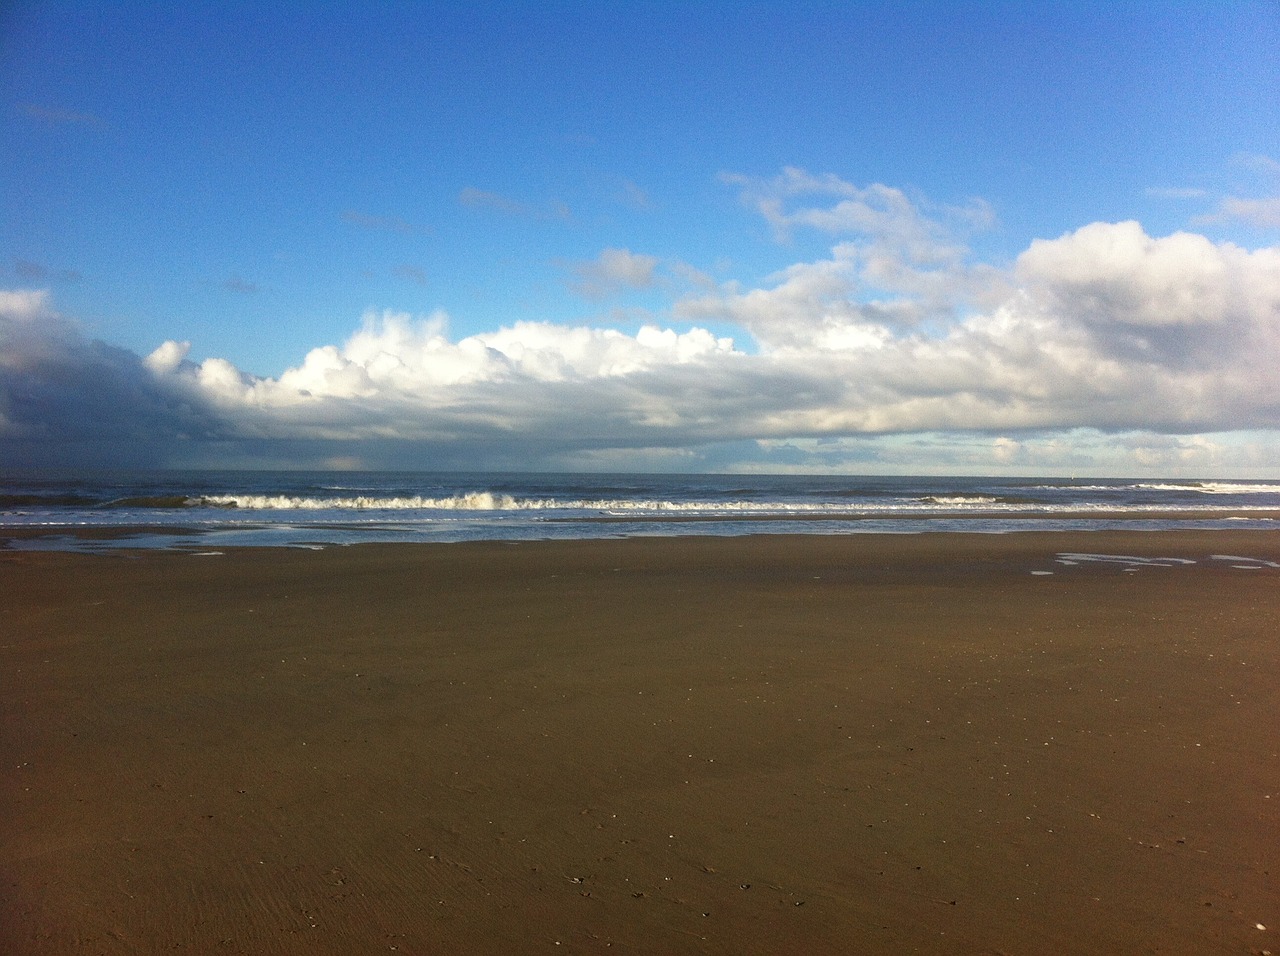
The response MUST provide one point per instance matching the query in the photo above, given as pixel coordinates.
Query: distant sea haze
(197, 509)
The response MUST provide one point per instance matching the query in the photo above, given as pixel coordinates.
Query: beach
(913, 743)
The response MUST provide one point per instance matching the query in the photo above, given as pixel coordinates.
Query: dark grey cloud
(65, 399)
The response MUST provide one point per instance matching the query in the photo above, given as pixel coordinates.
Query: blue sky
(867, 237)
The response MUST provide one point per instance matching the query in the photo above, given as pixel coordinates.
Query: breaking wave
(1194, 487)
(1216, 488)
(486, 501)
(490, 501)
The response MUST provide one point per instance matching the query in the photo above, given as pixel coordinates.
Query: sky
(910, 238)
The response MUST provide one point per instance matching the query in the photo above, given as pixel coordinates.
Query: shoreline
(311, 536)
(823, 743)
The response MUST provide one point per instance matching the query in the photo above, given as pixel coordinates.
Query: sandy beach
(794, 744)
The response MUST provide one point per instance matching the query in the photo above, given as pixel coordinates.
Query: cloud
(1258, 163)
(63, 396)
(240, 286)
(613, 271)
(1115, 276)
(29, 271)
(809, 306)
(61, 117)
(1081, 451)
(481, 199)
(899, 262)
(1259, 213)
(882, 212)
(168, 357)
(633, 196)
(23, 310)
(471, 196)
(1175, 192)
(364, 220)
(410, 274)
(1104, 331)
(690, 276)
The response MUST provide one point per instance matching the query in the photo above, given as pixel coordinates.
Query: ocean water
(207, 509)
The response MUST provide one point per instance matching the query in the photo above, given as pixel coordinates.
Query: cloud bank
(897, 339)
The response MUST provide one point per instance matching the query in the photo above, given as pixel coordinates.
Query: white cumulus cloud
(898, 330)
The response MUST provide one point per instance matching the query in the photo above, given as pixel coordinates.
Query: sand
(801, 744)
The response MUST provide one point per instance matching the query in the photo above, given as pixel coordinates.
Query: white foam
(489, 501)
(1252, 562)
(1201, 487)
(481, 501)
(1069, 557)
(1215, 488)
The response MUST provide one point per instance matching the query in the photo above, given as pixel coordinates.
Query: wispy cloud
(1258, 163)
(483, 199)
(410, 274)
(1259, 213)
(875, 210)
(62, 117)
(240, 286)
(1175, 192)
(613, 271)
(633, 196)
(29, 271)
(898, 262)
(364, 220)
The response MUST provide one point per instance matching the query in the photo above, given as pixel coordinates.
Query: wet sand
(801, 744)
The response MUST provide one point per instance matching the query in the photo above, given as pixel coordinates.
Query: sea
(203, 510)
